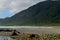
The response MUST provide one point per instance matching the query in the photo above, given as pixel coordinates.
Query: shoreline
(29, 26)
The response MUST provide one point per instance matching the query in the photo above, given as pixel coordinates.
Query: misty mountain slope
(43, 13)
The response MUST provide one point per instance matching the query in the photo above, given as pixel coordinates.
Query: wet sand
(35, 29)
(39, 30)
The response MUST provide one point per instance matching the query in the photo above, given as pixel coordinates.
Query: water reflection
(5, 38)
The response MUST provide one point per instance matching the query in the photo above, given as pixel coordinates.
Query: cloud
(19, 5)
(15, 6)
(3, 4)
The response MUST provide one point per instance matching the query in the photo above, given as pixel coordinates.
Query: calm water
(5, 38)
(25, 27)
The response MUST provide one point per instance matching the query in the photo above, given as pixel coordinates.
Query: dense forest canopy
(42, 13)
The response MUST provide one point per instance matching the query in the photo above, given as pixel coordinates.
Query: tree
(58, 0)
(49, 0)
(53, 0)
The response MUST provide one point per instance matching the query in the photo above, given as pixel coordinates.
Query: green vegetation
(46, 13)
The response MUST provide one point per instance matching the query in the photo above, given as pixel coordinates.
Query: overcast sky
(14, 6)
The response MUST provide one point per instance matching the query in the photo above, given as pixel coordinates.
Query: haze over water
(26, 27)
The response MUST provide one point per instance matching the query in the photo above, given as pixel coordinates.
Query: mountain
(42, 13)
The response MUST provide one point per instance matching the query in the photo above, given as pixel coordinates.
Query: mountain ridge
(42, 13)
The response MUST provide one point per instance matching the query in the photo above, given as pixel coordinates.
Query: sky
(10, 7)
